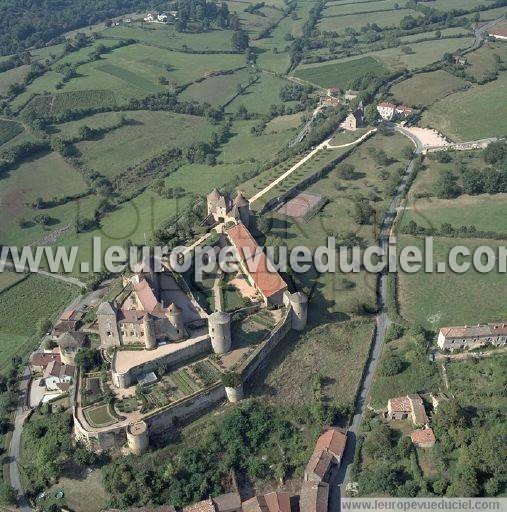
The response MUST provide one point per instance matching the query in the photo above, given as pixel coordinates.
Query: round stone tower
(175, 317)
(242, 207)
(299, 304)
(150, 336)
(137, 437)
(219, 326)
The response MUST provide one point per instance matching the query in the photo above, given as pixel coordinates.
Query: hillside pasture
(439, 299)
(486, 212)
(147, 134)
(259, 97)
(216, 90)
(357, 21)
(341, 74)
(12, 76)
(8, 130)
(424, 89)
(337, 9)
(21, 307)
(471, 114)
(484, 59)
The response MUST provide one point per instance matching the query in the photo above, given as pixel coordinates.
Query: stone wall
(190, 407)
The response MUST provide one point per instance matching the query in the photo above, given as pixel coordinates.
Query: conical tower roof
(214, 195)
(241, 200)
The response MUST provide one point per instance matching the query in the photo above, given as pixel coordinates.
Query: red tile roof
(332, 440)
(255, 261)
(400, 404)
(43, 359)
(146, 296)
(319, 464)
(278, 501)
(423, 436)
(314, 497)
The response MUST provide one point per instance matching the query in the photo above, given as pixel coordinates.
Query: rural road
(14, 448)
(323, 145)
(341, 478)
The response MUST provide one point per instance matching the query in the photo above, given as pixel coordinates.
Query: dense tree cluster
(254, 439)
(203, 13)
(25, 23)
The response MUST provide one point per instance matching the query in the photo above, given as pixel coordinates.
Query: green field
(22, 306)
(484, 60)
(9, 130)
(440, 299)
(259, 97)
(356, 21)
(341, 74)
(216, 90)
(425, 88)
(486, 212)
(12, 76)
(8, 279)
(471, 114)
(337, 9)
(147, 135)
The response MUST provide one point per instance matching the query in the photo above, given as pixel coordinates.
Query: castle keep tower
(137, 437)
(241, 209)
(108, 328)
(299, 304)
(150, 335)
(219, 326)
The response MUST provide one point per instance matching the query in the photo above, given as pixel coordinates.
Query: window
(109, 333)
(142, 333)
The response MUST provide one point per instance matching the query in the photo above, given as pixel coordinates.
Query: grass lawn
(479, 383)
(150, 133)
(485, 212)
(100, 121)
(281, 123)
(440, 299)
(356, 21)
(8, 130)
(471, 114)
(336, 351)
(454, 31)
(99, 416)
(426, 88)
(417, 376)
(340, 74)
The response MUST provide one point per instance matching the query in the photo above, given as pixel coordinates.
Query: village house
(68, 321)
(155, 17)
(314, 497)
(334, 442)
(403, 111)
(334, 92)
(58, 376)
(330, 102)
(423, 438)
(271, 502)
(386, 110)
(472, 337)
(403, 407)
(354, 119)
(40, 360)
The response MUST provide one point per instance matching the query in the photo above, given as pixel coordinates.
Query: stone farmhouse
(471, 337)
(70, 343)
(270, 502)
(353, 120)
(409, 406)
(155, 17)
(388, 111)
